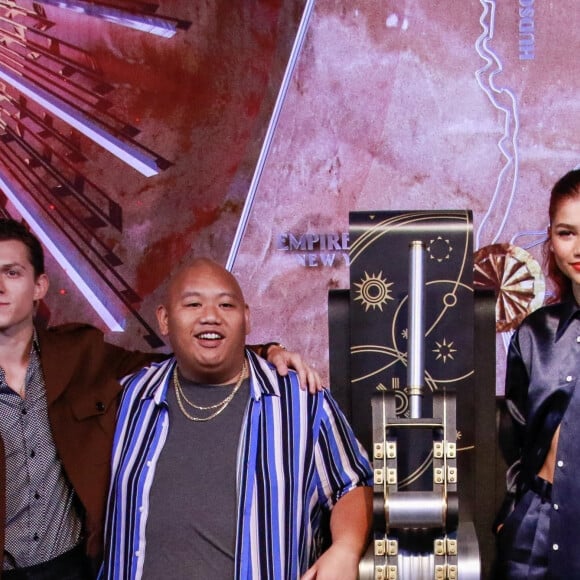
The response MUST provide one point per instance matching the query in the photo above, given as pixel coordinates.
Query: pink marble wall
(392, 105)
(385, 112)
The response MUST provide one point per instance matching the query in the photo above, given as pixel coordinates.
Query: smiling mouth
(209, 336)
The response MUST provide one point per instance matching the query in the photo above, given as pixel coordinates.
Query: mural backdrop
(138, 134)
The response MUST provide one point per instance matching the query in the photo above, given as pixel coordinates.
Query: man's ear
(40, 287)
(162, 320)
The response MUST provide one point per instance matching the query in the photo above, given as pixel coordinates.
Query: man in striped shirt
(59, 394)
(221, 467)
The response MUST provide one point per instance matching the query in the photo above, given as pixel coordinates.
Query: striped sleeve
(341, 462)
(297, 457)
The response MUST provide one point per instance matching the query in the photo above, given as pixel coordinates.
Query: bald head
(205, 318)
(200, 268)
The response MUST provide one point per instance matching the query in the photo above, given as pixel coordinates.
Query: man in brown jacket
(58, 399)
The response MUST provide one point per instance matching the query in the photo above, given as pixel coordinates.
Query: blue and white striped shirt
(296, 457)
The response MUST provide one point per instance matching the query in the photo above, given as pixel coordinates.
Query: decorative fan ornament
(517, 279)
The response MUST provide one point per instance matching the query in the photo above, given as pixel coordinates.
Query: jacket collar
(569, 311)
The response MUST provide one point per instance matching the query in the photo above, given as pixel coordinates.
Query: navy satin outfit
(541, 533)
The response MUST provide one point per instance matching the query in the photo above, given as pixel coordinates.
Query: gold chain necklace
(180, 396)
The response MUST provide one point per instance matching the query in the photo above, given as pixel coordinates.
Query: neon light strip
(99, 307)
(144, 164)
(294, 54)
(508, 144)
(149, 24)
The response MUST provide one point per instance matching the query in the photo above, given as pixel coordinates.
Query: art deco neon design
(269, 137)
(127, 153)
(505, 101)
(112, 322)
(144, 23)
(47, 81)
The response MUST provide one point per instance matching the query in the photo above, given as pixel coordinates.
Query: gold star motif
(444, 350)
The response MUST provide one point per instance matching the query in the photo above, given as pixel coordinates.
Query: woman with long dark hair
(538, 528)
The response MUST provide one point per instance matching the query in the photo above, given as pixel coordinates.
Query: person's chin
(574, 275)
(211, 362)
(6, 320)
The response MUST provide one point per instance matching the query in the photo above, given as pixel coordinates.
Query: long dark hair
(567, 187)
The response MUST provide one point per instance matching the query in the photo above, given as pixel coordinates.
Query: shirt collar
(156, 379)
(33, 363)
(570, 310)
(263, 379)
(35, 342)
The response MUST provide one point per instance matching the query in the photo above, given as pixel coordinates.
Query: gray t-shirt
(191, 528)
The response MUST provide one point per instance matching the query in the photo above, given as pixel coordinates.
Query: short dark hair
(13, 230)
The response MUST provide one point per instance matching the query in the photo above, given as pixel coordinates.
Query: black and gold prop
(411, 394)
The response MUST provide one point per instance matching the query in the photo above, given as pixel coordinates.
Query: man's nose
(210, 313)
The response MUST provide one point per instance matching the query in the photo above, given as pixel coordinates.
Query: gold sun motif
(373, 291)
(444, 350)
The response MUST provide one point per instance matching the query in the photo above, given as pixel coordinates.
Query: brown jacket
(81, 373)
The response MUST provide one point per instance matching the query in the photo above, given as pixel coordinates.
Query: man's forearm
(350, 520)
(350, 523)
